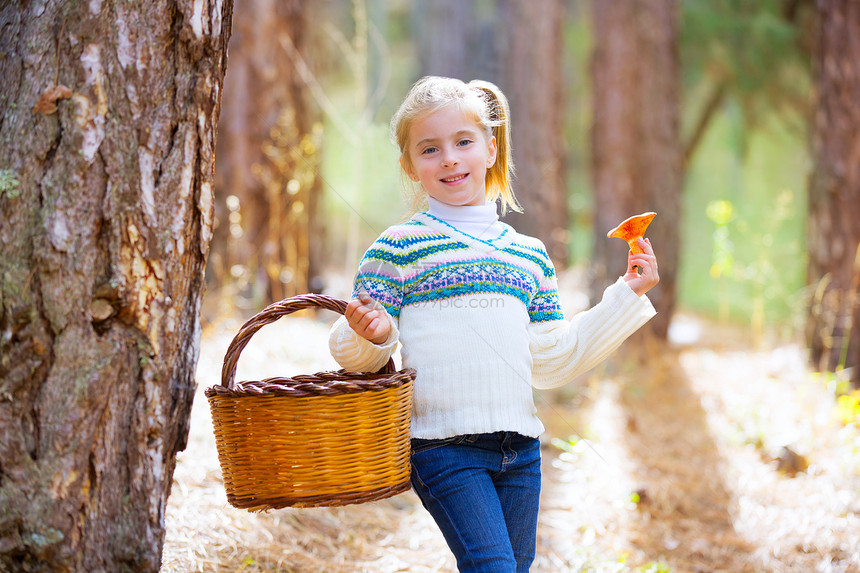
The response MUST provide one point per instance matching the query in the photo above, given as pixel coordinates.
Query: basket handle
(269, 315)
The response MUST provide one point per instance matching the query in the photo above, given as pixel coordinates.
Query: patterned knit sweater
(478, 316)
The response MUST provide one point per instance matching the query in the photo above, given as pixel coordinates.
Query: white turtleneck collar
(479, 221)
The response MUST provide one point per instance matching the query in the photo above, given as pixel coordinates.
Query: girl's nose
(449, 158)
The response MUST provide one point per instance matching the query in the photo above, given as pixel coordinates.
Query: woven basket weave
(332, 438)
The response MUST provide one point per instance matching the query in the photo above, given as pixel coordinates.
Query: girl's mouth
(455, 178)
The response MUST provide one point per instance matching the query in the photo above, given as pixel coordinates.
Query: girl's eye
(428, 150)
(464, 142)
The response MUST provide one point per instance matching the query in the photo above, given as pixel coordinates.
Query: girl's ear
(407, 168)
(493, 150)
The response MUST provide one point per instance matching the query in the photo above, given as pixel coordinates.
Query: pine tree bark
(446, 35)
(636, 150)
(531, 72)
(833, 322)
(107, 135)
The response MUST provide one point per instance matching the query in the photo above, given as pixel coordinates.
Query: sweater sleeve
(562, 349)
(356, 353)
(380, 274)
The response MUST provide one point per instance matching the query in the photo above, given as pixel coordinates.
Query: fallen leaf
(791, 463)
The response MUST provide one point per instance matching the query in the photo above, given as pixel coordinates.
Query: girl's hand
(647, 277)
(367, 318)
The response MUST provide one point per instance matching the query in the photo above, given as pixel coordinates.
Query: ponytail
(500, 175)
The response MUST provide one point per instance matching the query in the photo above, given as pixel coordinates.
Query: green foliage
(722, 212)
(363, 187)
(573, 444)
(742, 254)
(848, 408)
(372, 70)
(760, 50)
(745, 187)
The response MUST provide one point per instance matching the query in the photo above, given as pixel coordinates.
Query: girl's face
(449, 154)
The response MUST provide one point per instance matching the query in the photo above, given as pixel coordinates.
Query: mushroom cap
(631, 229)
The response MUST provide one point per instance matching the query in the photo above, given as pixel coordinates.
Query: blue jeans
(483, 491)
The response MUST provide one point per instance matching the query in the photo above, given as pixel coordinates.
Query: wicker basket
(332, 438)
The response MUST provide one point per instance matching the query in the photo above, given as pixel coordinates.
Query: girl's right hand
(368, 319)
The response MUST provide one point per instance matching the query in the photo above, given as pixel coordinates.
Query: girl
(475, 307)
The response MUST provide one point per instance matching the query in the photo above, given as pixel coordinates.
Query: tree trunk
(833, 323)
(445, 33)
(106, 199)
(519, 48)
(531, 72)
(636, 152)
(268, 156)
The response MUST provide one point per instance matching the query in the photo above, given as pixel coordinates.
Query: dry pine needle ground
(670, 463)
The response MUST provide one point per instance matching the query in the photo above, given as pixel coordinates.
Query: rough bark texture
(532, 79)
(833, 327)
(106, 203)
(268, 156)
(636, 151)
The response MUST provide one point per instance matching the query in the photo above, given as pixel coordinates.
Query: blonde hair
(489, 107)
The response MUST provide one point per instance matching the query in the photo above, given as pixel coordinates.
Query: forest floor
(713, 454)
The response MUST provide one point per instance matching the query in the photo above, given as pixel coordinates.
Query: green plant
(754, 273)
(573, 444)
(721, 213)
(848, 408)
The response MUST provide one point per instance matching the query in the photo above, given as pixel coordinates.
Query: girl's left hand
(647, 277)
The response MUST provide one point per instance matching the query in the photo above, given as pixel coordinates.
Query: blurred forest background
(703, 111)
(719, 115)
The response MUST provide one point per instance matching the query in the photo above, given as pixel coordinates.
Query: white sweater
(474, 305)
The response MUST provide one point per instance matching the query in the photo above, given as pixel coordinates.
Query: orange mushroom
(631, 229)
